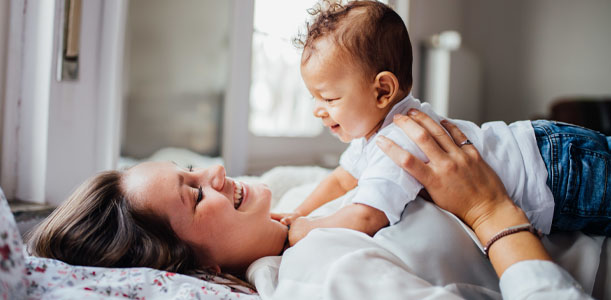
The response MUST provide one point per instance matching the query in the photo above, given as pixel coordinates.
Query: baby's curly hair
(369, 32)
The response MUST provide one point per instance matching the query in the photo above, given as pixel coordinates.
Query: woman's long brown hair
(97, 226)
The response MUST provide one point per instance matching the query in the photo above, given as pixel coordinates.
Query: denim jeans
(578, 162)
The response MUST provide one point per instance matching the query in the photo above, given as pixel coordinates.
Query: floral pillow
(12, 264)
(53, 279)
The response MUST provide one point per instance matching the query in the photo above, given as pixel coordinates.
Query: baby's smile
(334, 128)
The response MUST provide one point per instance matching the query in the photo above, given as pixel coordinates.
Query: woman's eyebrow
(181, 180)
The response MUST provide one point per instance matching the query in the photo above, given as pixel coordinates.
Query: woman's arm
(460, 181)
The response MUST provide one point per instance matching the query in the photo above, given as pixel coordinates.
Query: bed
(328, 263)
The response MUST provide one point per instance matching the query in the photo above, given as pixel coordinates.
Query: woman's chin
(258, 197)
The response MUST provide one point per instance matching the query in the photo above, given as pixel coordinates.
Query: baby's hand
(299, 229)
(286, 218)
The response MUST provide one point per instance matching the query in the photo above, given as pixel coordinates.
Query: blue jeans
(578, 162)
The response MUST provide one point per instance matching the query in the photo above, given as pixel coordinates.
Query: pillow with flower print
(12, 263)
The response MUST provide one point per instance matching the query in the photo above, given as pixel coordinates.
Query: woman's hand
(286, 218)
(456, 177)
(460, 181)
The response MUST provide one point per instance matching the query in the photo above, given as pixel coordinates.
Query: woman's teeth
(238, 194)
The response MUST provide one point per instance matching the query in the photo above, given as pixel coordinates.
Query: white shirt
(511, 151)
(539, 279)
(531, 279)
(425, 256)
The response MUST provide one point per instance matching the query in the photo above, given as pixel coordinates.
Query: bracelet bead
(509, 231)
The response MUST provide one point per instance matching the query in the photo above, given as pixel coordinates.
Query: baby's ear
(386, 88)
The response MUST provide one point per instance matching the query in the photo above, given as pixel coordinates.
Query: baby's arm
(336, 184)
(360, 217)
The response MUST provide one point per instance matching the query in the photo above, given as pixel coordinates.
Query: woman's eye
(190, 168)
(200, 195)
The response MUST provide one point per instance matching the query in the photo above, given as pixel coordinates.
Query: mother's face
(205, 210)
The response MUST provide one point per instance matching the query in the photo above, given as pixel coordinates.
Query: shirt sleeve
(539, 279)
(383, 184)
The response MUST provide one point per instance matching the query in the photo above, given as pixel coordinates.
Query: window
(280, 104)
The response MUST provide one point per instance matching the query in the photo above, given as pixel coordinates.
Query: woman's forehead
(150, 180)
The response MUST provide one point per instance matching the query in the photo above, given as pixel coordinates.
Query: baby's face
(345, 99)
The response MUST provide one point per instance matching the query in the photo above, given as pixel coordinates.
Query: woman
(162, 216)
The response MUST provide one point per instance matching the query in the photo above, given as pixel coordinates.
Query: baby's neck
(387, 110)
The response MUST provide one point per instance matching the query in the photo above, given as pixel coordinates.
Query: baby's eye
(330, 100)
(190, 168)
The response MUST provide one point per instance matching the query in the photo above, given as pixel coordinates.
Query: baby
(357, 62)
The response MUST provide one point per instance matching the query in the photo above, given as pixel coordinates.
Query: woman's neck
(271, 241)
(280, 240)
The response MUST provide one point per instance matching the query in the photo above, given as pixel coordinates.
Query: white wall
(267, 152)
(428, 17)
(536, 51)
(4, 26)
(177, 75)
(531, 52)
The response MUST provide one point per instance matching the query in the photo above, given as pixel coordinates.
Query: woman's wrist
(512, 248)
(502, 215)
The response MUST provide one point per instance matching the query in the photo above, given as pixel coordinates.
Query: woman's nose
(319, 110)
(217, 175)
(213, 176)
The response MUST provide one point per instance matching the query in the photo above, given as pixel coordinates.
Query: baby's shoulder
(396, 134)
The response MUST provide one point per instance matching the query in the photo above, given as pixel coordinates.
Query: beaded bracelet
(511, 230)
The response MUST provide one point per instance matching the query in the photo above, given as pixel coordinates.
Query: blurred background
(93, 85)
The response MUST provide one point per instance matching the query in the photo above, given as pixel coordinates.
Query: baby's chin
(347, 138)
(343, 137)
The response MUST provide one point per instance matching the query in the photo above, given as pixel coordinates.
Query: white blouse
(539, 279)
(426, 255)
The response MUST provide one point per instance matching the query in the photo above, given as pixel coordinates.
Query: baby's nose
(319, 111)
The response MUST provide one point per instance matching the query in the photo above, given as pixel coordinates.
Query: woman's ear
(215, 268)
(386, 88)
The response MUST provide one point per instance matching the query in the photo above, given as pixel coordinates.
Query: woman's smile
(238, 194)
